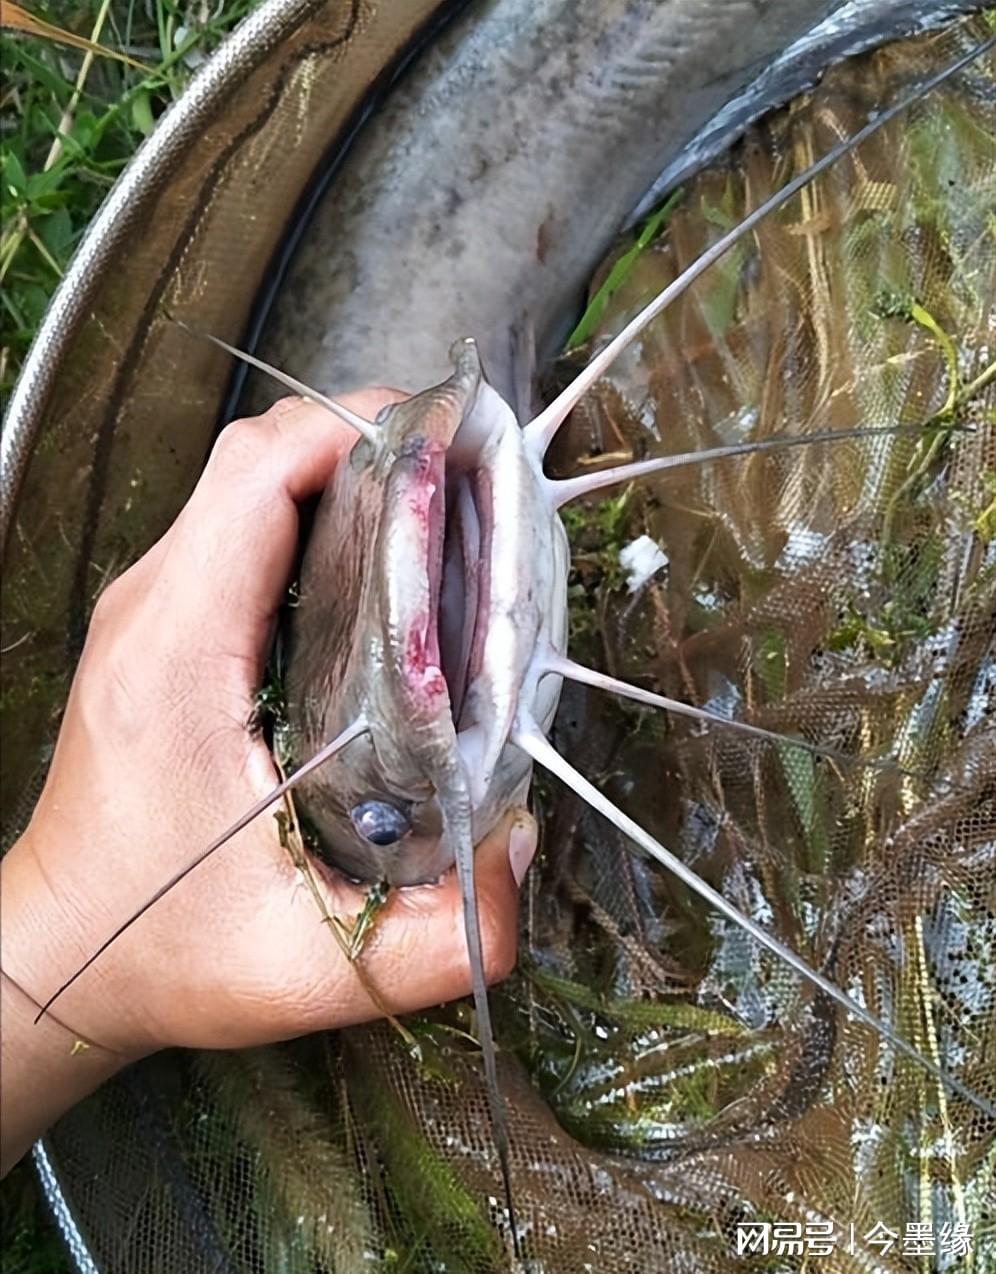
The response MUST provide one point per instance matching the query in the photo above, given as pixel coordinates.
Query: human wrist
(41, 937)
(53, 1061)
(44, 1070)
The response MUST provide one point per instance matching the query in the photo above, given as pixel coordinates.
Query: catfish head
(434, 573)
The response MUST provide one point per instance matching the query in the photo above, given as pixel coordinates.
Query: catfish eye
(380, 822)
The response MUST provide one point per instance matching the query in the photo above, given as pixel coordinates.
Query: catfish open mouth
(451, 504)
(464, 595)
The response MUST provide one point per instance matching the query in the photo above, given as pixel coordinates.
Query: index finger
(231, 549)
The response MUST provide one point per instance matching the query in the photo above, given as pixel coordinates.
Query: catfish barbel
(425, 781)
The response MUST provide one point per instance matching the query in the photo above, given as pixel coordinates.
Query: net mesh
(667, 1080)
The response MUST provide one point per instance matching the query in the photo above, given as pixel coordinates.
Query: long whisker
(365, 428)
(542, 429)
(458, 830)
(563, 490)
(351, 732)
(564, 667)
(530, 739)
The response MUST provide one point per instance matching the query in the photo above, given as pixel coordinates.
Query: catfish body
(483, 194)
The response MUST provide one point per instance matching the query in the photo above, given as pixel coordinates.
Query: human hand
(155, 759)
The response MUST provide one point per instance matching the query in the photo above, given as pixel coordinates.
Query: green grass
(69, 123)
(621, 269)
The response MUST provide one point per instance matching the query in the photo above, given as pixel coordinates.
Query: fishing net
(679, 1100)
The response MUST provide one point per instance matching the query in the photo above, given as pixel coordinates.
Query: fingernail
(521, 845)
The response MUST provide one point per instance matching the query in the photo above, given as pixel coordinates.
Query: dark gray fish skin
(483, 195)
(487, 189)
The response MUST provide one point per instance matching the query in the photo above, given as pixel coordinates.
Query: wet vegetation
(844, 595)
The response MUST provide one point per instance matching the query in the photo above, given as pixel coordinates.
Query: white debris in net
(194, 57)
(641, 559)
